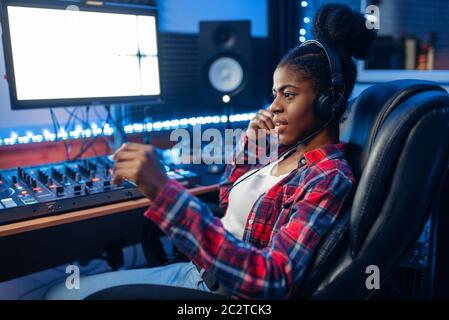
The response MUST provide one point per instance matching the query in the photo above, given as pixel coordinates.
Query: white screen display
(63, 54)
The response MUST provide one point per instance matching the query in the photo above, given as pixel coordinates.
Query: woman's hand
(262, 120)
(140, 164)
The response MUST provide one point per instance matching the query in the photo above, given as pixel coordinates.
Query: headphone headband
(334, 62)
(330, 105)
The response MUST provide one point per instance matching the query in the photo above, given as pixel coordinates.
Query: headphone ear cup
(323, 106)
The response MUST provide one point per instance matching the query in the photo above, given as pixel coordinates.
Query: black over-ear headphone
(330, 105)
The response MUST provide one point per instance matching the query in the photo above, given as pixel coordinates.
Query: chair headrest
(366, 113)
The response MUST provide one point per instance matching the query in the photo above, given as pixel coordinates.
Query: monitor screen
(67, 56)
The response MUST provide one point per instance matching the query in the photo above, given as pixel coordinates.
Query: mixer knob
(77, 177)
(89, 184)
(14, 179)
(33, 184)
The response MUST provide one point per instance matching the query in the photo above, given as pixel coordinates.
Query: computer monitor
(61, 53)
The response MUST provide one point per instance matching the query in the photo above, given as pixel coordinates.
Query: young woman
(275, 214)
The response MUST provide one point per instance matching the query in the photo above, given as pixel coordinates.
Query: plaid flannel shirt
(282, 231)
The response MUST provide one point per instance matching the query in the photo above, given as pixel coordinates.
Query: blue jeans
(183, 275)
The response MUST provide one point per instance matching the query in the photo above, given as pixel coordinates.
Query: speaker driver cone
(226, 74)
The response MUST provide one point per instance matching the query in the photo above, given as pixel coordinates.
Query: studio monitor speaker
(225, 60)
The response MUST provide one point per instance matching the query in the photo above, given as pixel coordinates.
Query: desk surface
(69, 217)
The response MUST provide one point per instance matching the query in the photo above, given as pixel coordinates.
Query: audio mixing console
(31, 192)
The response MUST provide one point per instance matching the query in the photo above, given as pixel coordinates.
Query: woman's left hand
(140, 164)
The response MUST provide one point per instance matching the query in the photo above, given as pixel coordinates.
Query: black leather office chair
(398, 146)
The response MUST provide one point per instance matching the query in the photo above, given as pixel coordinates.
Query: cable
(67, 124)
(84, 124)
(70, 122)
(83, 149)
(305, 140)
(105, 121)
(114, 122)
(56, 128)
(118, 127)
(73, 114)
(68, 146)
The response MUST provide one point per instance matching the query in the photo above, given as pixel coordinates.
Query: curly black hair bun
(345, 29)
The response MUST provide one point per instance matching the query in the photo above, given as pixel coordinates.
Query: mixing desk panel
(31, 192)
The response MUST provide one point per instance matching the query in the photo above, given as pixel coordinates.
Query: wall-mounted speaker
(225, 53)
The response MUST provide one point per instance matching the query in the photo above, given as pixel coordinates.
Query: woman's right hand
(262, 120)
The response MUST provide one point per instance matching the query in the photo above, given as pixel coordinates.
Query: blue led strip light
(306, 22)
(107, 129)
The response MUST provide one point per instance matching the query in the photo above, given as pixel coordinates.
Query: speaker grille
(226, 74)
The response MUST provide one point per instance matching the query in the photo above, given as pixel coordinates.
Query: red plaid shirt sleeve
(242, 162)
(273, 272)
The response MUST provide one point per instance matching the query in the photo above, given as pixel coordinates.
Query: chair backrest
(398, 147)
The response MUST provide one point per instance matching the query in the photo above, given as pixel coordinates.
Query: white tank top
(244, 195)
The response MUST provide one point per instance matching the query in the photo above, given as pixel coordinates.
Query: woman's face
(292, 105)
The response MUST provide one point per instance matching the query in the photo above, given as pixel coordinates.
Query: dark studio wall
(180, 77)
(179, 58)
